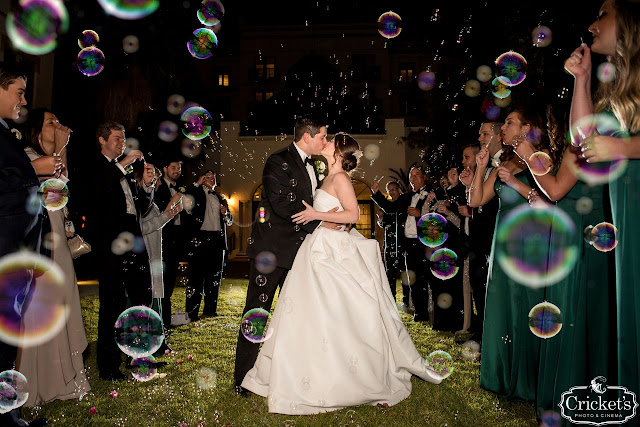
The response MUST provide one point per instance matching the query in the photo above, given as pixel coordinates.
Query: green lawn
(176, 398)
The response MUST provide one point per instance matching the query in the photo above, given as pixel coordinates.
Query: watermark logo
(598, 404)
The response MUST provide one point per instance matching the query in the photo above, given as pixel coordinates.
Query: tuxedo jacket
(109, 211)
(400, 206)
(285, 184)
(194, 221)
(18, 181)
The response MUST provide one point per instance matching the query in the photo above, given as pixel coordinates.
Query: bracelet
(532, 197)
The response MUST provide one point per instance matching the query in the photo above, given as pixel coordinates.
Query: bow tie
(211, 192)
(309, 161)
(172, 186)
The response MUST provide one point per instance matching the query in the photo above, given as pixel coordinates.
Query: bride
(337, 338)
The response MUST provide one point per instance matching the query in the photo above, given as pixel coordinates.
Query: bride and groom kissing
(325, 352)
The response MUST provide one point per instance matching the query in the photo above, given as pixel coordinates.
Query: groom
(289, 177)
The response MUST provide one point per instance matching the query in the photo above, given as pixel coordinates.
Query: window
(263, 95)
(406, 72)
(266, 67)
(223, 80)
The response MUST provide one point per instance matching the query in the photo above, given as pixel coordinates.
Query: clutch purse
(78, 246)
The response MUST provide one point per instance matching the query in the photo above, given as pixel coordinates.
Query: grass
(176, 398)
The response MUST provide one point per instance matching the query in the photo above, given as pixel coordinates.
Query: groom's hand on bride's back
(332, 225)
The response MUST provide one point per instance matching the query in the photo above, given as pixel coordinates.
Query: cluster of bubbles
(34, 26)
(14, 390)
(204, 40)
(254, 325)
(129, 9)
(545, 320)
(439, 365)
(53, 194)
(389, 25)
(523, 242)
(601, 236)
(15, 270)
(90, 60)
(580, 134)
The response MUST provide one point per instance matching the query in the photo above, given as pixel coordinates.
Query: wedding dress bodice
(324, 202)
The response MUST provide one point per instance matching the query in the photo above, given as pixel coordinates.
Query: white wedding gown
(337, 338)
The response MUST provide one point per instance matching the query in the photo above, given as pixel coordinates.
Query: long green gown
(510, 352)
(575, 355)
(625, 208)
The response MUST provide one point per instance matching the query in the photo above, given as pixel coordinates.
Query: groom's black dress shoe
(241, 391)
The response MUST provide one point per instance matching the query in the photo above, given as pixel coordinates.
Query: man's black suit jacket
(18, 181)
(400, 206)
(194, 220)
(109, 211)
(285, 184)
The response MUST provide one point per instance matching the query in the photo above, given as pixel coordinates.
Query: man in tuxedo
(289, 177)
(173, 233)
(19, 227)
(391, 229)
(207, 221)
(409, 208)
(124, 269)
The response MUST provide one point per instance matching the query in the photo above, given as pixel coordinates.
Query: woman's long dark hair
(32, 128)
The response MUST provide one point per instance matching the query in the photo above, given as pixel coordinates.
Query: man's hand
(466, 177)
(465, 210)
(375, 186)
(149, 174)
(223, 209)
(131, 157)
(414, 212)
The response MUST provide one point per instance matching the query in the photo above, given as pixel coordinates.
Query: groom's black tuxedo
(285, 184)
(19, 228)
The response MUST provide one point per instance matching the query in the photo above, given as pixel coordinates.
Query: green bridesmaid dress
(510, 352)
(575, 355)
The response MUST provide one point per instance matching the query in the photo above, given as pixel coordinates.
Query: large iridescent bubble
(513, 67)
(500, 87)
(90, 61)
(389, 25)
(439, 364)
(196, 123)
(581, 133)
(129, 9)
(541, 36)
(202, 44)
(48, 308)
(139, 331)
(432, 229)
(444, 264)
(54, 194)
(34, 25)
(14, 390)
(545, 320)
(144, 368)
(602, 236)
(88, 38)
(210, 12)
(426, 80)
(524, 248)
(254, 325)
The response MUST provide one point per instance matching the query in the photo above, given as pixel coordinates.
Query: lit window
(223, 80)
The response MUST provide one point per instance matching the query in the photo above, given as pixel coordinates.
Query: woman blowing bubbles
(616, 33)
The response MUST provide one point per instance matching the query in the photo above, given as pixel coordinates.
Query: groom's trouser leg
(417, 262)
(246, 351)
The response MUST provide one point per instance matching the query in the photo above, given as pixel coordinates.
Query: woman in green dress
(574, 356)
(509, 350)
(616, 33)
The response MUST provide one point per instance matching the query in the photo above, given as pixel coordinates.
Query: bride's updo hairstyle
(349, 149)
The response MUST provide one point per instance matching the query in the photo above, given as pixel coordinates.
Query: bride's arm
(347, 197)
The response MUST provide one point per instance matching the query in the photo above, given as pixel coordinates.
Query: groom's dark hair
(307, 124)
